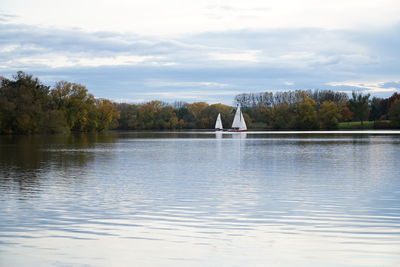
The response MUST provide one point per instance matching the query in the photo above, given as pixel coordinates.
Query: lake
(201, 199)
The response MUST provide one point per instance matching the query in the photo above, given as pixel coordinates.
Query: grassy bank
(366, 125)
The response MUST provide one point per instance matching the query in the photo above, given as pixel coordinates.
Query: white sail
(243, 125)
(238, 121)
(237, 118)
(218, 123)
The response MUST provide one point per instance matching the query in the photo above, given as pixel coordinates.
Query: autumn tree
(199, 112)
(329, 115)
(24, 102)
(345, 112)
(306, 114)
(77, 104)
(107, 114)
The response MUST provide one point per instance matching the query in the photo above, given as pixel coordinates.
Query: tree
(24, 102)
(128, 116)
(199, 112)
(306, 117)
(393, 98)
(77, 104)
(379, 109)
(329, 115)
(167, 118)
(359, 105)
(394, 114)
(183, 113)
(282, 116)
(107, 114)
(345, 112)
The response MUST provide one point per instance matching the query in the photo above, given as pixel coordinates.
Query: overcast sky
(205, 50)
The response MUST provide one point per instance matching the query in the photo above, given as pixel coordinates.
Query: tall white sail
(243, 125)
(237, 118)
(238, 121)
(218, 123)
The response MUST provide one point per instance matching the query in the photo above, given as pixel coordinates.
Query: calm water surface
(200, 199)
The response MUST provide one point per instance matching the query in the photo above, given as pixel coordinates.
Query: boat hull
(237, 131)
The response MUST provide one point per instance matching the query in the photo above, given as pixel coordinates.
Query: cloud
(115, 65)
(374, 87)
(307, 48)
(220, 12)
(161, 83)
(24, 46)
(246, 56)
(6, 17)
(178, 17)
(209, 96)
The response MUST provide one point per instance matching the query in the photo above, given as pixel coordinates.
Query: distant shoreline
(29, 107)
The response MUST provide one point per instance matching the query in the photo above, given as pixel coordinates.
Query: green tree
(128, 116)
(282, 117)
(183, 113)
(359, 105)
(394, 114)
(379, 109)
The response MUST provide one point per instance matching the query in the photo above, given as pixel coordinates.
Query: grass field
(357, 125)
(351, 125)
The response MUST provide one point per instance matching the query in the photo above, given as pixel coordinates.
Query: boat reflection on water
(218, 134)
(233, 135)
(239, 135)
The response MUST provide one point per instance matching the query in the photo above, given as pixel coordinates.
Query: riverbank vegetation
(27, 106)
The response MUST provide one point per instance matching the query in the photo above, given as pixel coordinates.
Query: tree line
(319, 109)
(27, 106)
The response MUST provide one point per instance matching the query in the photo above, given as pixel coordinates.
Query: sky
(184, 50)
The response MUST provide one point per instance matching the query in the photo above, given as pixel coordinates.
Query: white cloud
(77, 60)
(113, 61)
(114, 64)
(368, 87)
(157, 17)
(288, 83)
(247, 56)
(210, 96)
(160, 83)
(9, 48)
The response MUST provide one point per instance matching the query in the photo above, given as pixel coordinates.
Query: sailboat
(238, 125)
(218, 123)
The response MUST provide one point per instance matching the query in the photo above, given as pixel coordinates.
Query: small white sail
(237, 118)
(238, 121)
(243, 125)
(218, 123)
